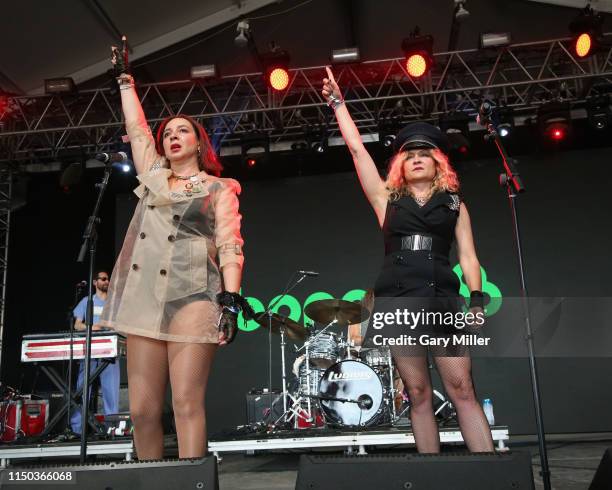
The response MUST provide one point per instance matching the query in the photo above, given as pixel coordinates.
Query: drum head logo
(349, 376)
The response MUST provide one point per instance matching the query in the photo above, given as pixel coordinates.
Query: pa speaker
(603, 476)
(465, 471)
(126, 475)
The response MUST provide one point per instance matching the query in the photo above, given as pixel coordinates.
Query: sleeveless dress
(168, 273)
(416, 280)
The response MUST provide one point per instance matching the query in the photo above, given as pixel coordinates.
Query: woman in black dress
(420, 213)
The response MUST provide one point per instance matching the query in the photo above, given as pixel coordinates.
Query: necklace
(193, 184)
(421, 201)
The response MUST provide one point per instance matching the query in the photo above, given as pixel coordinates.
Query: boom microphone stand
(90, 238)
(511, 180)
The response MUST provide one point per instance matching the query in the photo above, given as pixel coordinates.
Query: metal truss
(378, 93)
(5, 215)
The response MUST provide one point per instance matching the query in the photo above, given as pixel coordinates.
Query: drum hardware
(275, 322)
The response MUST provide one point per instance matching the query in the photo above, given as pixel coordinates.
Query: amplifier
(258, 406)
(34, 417)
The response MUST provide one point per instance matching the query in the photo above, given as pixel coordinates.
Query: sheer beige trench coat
(167, 275)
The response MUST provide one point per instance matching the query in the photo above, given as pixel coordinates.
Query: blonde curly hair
(446, 179)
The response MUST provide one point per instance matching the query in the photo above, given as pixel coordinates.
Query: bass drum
(361, 389)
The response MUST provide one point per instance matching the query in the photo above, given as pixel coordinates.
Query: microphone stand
(68, 432)
(290, 287)
(90, 238)
(513, 183)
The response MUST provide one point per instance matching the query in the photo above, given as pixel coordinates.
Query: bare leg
(147, 366)
(456, 374)
(190, 366)
(417, 382)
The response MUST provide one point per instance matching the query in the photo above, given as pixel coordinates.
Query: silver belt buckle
(416, 242)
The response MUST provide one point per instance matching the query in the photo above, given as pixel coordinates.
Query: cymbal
(346, 312)
(293, 330)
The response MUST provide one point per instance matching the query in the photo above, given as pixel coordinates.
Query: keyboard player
(109, 377)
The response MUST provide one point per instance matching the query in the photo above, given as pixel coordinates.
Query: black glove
(234, 300)
(119, 59)
(228, 324)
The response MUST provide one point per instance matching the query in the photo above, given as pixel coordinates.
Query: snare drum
(323, 350)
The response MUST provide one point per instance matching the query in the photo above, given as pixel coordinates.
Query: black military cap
(420, 135)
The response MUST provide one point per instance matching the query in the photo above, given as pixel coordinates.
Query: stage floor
(572, 465)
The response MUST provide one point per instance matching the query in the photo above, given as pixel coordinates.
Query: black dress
(418, 279)
(419, 273)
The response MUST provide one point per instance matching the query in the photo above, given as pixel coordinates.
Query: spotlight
(275, 69)
(586, 30)
(59, 86)
(461, 13)
(418, 51)
(494, 39)
(125, 167)
(387, 129)
(346, 55)
(554, 121)
(251, 162)
(598, 111)
(456, 127)
(254, 146)
(504, 117)
(203, 71)
(504, 130)
(244, 32)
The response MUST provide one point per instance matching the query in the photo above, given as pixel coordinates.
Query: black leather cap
(420, 135)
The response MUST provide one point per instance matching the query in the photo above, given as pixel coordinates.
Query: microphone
(484, 113)
(308, 273)
(120, 157)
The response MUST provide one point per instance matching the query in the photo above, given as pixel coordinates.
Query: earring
(199, 152)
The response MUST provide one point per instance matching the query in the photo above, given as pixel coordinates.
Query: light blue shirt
(81, 309)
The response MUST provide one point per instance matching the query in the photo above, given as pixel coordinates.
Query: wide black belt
(416, 243)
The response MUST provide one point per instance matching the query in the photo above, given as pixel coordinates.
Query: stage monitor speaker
(603, 476)
(465, 471)
(176, 474)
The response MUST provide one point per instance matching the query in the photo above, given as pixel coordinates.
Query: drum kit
(336, 385)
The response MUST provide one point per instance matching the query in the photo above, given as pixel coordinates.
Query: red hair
(207, 158)
(445, 179)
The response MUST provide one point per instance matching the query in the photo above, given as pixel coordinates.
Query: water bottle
(487, 407)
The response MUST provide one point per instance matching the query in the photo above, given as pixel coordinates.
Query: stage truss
(379, 94)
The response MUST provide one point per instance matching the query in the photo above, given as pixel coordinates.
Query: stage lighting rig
(598, 112)
(504, 116)
(276, 71)
(554, 121)
(418, 51)
(456, 127)
(586, 32)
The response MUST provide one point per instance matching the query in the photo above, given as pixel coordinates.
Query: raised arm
(371, 182)
(144, 153)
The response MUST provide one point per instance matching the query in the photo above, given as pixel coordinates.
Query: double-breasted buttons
(176, 217)
(135, 267)
(171, 238)
(163, 272)
(143, 235)
(151, 206)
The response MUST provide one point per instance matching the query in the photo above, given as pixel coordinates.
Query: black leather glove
(119, 59)
(228, 324)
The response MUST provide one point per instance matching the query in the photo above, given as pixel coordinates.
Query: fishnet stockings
(456, 376)
(150, 363)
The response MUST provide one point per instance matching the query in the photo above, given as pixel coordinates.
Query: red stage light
(251, 162)
(416, 65)
(279, 78)
(557, 132)
(463, 150)
(583, 45)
